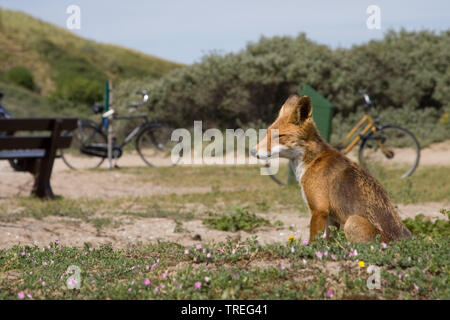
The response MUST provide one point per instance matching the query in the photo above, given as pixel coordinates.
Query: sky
(184, 31)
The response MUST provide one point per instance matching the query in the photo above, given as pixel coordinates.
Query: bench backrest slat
(36, 124)
(15, 143)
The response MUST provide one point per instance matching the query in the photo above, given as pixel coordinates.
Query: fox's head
(288, 136)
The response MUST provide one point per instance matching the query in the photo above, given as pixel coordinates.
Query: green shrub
(21, 76)
(239, 219)
(406, 74)
(79, 90)
(422, 227)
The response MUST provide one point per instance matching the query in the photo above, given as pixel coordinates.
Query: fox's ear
(302, 110)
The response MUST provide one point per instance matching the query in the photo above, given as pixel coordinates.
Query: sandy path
(29, 231)
(104, 184)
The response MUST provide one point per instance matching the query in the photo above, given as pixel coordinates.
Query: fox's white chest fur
(299, 169)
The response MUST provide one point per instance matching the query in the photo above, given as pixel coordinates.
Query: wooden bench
(36, 154)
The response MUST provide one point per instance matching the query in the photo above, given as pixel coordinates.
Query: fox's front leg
(318, 223)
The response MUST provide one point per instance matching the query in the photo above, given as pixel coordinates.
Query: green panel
(322, 111)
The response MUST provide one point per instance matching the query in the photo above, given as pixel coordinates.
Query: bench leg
(42, 187)
(44, 167)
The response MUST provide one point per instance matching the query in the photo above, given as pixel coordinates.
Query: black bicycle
(89, 141)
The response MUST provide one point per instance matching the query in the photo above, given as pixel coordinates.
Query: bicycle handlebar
(144, 94)
(369, 103)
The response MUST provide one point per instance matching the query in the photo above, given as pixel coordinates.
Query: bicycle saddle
(98, 108)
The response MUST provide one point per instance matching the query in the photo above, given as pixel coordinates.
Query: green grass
(68, 71)
(53, 53)
(413, 269)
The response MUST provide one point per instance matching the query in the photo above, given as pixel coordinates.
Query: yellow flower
(361, 264)
(291, 238)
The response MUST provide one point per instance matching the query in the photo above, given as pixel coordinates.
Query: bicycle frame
(133, 133)
(363, 134)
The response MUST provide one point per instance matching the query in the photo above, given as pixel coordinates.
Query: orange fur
(338, 191)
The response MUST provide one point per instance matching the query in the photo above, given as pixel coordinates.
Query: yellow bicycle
(382, 146)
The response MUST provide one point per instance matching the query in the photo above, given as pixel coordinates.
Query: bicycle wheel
(85, 135)
(390, 151)
(154, 145)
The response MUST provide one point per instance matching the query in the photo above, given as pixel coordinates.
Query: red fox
(338, 191)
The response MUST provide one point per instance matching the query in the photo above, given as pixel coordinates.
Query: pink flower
(43, 283)
(305, 242)
(233, 251)
(198, 285)
(208, 255)
(383, 245)
(282, 267)
(161, 285)
(319, 255)
(156, 290)
(333, 256)
(186, 251)
(416, 287)
(204, 251)
(146, 281)
(199, 246)
(304, 261)
(330, 293)
(164, 275)
(21, 295)
(206, 279)
(353, 253)
(29, 296)
(129, 290)
(325, 253)
(72, 282)
(22, 253)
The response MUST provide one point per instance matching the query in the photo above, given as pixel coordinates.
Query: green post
(322, 111)
(106, 102)
(322, 115)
